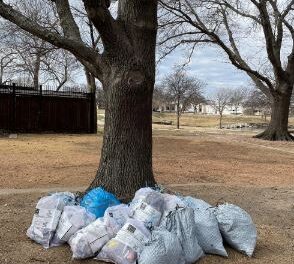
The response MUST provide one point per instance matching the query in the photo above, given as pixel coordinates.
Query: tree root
(275, 136)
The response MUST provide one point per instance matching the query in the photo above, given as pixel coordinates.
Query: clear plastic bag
(115, 218)
(127, 244)
(47, 215)
(73, 218)
(88, 241)
(150, 209)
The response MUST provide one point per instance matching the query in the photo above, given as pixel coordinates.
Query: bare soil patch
(71, 160)
(257, 175)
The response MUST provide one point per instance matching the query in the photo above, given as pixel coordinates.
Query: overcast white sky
(209, 65)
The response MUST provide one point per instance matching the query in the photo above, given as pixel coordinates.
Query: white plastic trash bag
(207, 230)
(115, 218)
(237, 228)
(196, 203)
(127, 245)
(164, 248)
(208, 233)
(73, 218)
(88, 241)
(150, 209)
(181, 223)
(46, 217)
(141, 194)
(172, 202)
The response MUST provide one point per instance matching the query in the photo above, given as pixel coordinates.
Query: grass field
(205, 121)
(196, 120)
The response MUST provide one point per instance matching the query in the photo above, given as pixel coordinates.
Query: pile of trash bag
(155, 227)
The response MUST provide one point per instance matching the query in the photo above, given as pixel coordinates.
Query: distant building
(203, 108)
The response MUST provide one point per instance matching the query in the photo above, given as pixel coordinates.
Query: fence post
(13, 122)
(93, 112)
(40, 108)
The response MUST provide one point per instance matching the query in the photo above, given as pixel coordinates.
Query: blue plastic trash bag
(98, 200)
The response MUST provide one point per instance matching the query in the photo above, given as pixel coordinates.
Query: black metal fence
(24, 109)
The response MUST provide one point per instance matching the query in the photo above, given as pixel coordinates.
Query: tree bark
(220, 121)
(91, 85)
(1, 74)
(278, 126)
(126, 158)
(36, 73)
(178, 115)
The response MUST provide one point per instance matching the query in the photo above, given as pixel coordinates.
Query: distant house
(203, 108)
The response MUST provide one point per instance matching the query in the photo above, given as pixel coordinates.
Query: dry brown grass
(255, 174)
(197, 120)
(54, 160)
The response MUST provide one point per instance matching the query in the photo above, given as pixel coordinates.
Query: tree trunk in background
(220, 121)
(278, 126)
(178, 115)
(1, 74)
(36, 73)
(91, 85)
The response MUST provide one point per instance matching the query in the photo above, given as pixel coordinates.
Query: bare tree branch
(85, 54)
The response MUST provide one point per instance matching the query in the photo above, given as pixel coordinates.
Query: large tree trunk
(278, 126)
(126, 159)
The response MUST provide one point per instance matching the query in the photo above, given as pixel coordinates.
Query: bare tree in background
(35, 58)
(231, 25)
(30, 51)
(100, 98)
(238, 97)
(195, 101)
(159, 99)
(126, 68)
(182, 90)
(257, 101)
(220, 101)
(58, 67)
(7, 59)
(91, 37)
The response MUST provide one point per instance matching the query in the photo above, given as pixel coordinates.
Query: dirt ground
(232, 167)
